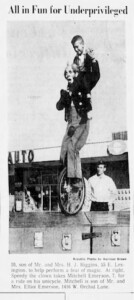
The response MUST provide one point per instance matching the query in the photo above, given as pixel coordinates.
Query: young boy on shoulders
(88, 67)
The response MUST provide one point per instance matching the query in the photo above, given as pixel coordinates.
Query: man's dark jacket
(81, 85)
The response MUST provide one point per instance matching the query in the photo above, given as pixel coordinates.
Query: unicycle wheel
(70, 198)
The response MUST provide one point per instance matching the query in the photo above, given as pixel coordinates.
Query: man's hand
(88, 95)
(110, 206)
(89, 115)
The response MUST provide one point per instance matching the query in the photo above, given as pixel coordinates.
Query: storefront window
(40, 188)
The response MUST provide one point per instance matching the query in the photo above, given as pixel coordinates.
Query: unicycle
(70, 198)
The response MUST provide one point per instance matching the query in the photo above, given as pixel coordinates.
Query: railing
(45, 198)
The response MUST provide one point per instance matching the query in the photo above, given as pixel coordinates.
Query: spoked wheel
(70, 198)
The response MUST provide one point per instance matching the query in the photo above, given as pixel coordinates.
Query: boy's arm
(64, 100)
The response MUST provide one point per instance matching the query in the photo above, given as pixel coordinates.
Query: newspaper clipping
(66, 191)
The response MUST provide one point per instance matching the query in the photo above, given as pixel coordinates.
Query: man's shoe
(77, 183)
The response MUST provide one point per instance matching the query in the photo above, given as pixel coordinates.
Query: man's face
(100, 169)
(78, 47)
(69, 74)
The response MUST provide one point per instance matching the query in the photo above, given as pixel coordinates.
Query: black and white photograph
(68, 157)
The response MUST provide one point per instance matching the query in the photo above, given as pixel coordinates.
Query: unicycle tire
(70, 198)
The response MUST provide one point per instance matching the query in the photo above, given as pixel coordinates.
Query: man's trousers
(71, 147)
